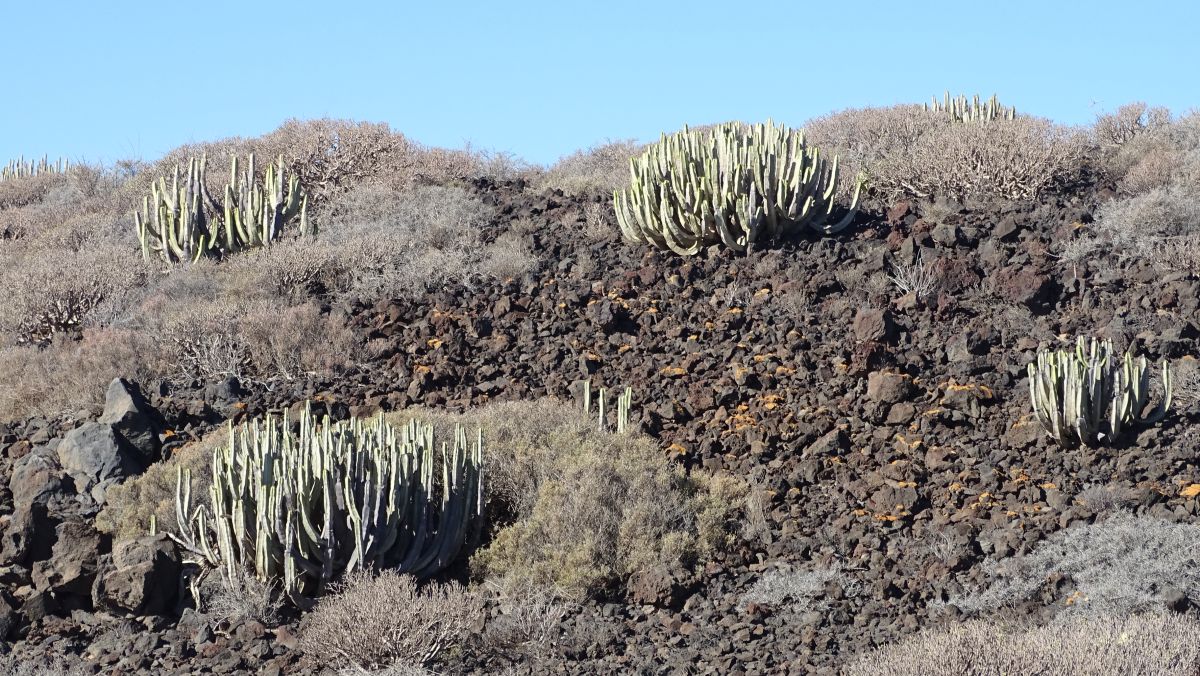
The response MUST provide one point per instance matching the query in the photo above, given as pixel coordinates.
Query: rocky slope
(887, 435)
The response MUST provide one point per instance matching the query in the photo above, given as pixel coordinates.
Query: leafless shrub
(602, 168)
(50, 293)
(1187, 379)
(918, 277)
(1158, 645)
(600, 223)
(71, 377)
(794, 303)
(332, 157)
(19, 192)
(1131, 119)
(1163, 155)
(399, 244)
(384, 619)
(1132, 224)
(1123, 564)
(907, 151)
(795, 590)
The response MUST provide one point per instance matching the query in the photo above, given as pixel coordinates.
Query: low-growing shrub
(1121, 565)
(375, 620)
(71, 377)
(602, 168)
(1158, 645)
(580, 511)
(907, 151)
(795, 590)
(131, 504)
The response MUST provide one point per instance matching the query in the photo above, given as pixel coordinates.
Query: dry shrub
(254, 340)
(400, 244)
(18, 192)
(384, 619)
(1158, 645)
(331, 157)
(1130, 120)
(1133, 223)
(582, 511)
(51, 292)
(130, 505)
(527, 621)
(242, 597)
(1123, 564)
(1163, 154)
(798, 591)
(70, 377)
(508, 257)
(910, 152)
(602, 168)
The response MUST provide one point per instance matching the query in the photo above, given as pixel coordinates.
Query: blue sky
(105, 81)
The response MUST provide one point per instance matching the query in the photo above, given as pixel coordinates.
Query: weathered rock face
(38, 487)
(143, 577)
(71, 567)
(95, 457)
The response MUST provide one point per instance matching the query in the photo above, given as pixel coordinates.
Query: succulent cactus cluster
(183, 222)
(299, 503)
(974, 110)
(600, 396)
(1090, 394)
(20, 168)
(731, 184)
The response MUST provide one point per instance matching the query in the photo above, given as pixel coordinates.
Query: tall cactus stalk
(732, 184)
(974, 110)
(1089, 395)
(302, 508)
(624, 402)
(174, 221)
(255, 213)
(20, 168)
(185, 223)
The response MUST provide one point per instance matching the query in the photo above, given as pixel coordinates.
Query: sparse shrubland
(774, 504)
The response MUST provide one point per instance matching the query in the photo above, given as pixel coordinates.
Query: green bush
(582, 512)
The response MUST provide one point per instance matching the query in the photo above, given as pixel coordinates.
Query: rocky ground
(888, 435)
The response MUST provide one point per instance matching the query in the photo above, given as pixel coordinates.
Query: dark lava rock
(144, 579)
(133, 419)
(96, 457)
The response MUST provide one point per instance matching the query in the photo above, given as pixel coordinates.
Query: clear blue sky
(111, 80)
